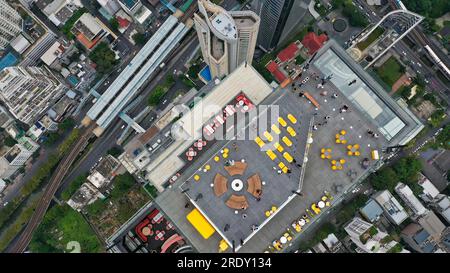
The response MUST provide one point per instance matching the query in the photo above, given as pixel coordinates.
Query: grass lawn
(370, 39)
(60, 226)
(390, 71)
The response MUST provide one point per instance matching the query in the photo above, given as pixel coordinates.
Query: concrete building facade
(28, 91)
(10, 24)
(227, 38)
(12, 160)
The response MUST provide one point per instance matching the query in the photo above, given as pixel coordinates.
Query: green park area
(390, 71)
(60, 226)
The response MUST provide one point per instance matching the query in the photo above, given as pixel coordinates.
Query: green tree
(67, 124)
(73, 187)
(355, 17)
(9, 141)
(139, 38)
(122, 184)
(156, 96)
(437, 117)
(115, 151)
(385, 178)
(114, 24)
(104, 57)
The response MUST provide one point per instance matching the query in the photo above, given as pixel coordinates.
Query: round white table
(237, 185)
(283, 240)
(321, 204)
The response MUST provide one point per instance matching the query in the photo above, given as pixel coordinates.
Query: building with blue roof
(371, 211)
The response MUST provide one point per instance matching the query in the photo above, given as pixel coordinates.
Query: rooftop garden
(390, 71)
(370, 39)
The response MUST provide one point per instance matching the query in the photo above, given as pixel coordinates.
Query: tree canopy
(104, 57)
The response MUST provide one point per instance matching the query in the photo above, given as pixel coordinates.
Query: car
(305, 80)
(123, 126)
(404, 53)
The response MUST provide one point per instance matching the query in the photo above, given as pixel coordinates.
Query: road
(402, 49)
(177, 59)
(309, 232)
(111, 134)
(24, 239)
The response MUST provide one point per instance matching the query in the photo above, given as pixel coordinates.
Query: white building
(58, 11)
(130, 6)
(368, 238)
(28, 91)
(442, 205)
(54, 52)
(5, 118)
(111, 6)
(10, 24)
(391, 207)
(429, 190)
(227, 38)
(2, 185)
(12, 160)
(410, 199)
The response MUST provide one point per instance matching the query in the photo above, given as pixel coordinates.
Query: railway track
(25, 237)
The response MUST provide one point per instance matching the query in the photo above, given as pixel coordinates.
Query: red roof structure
(288, 53)
(314, 42)
(273, 68)
(123, 23)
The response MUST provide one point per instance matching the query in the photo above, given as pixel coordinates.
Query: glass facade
(273, 14)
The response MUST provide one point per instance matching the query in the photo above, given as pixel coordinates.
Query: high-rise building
(227, 38)
(28, 91)
(10, 24)
(279, 18)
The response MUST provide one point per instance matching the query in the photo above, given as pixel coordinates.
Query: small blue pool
(205, 73)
